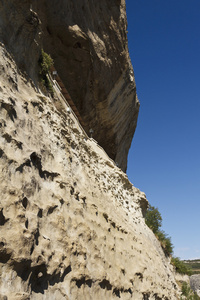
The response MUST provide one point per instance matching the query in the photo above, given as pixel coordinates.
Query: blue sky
(164, 161)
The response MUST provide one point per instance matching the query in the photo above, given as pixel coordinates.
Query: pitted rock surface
(71, 223)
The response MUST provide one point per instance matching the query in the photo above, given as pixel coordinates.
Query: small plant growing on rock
(45, 64)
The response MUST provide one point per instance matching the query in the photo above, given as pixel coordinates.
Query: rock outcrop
(195, 283)
(88, 43)
(71, 224)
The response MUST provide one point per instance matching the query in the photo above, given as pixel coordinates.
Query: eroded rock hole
(26, 224)
(51, 209)
(83, 280)
(72, 190)
(116, 292)
(25, 202)
(105, 217)
(3, 220)
(39, 213)
(105, 284)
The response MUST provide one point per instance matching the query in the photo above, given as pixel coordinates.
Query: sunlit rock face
(88, 42)
(71, 223)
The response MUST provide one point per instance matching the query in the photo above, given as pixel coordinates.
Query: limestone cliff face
(88, 43)
(71, 224)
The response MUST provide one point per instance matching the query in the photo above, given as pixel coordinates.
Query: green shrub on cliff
(165, 241)
(153, 220)
(180, 266)
(45, 64)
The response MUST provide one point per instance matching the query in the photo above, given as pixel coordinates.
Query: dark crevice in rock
(61, 201)
(5, 254)
(83, 280)
(116, 292)
(157, 297)
(37, 276)
(22, 268)
(105, 284)
(128, 291)
(10, 110)
(113, 224)
(26, 224)
(36, 161)
(39, 213)
(72, 190)
(105, 216)
(1, 153)
(3, 220)
(25, 202)
(56, 278)
(51, 209)
(140, 275)
(77, 196)
(37, 104)
(36, 235)
(7, 137)
(146, 296)
(27, 163)
(32, 249)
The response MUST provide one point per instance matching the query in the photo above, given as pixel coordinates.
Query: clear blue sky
(164, 159)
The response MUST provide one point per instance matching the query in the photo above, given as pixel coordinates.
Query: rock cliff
(88, 43)
(71, 224)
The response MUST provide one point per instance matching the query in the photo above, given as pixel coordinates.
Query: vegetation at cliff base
(187, 293)
(45, 64)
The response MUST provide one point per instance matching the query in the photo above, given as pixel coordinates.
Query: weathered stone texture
(88, 43)
(71, 224)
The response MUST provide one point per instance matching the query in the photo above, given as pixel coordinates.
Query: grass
(194, 265)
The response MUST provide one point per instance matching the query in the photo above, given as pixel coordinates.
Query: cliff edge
(88, 43)
(71, 224)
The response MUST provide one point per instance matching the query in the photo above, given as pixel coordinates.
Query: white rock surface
(71, 224)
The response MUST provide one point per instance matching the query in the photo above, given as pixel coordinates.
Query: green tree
(45, 64)
(153, 219)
